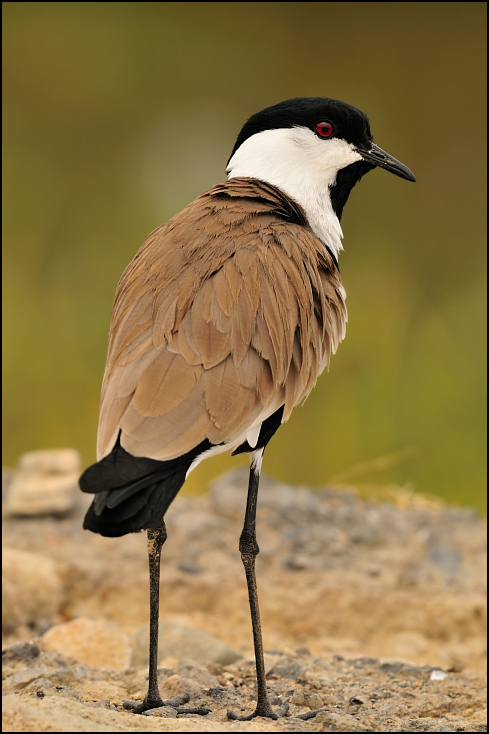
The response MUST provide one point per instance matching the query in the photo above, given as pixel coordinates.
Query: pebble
(199, 674)
(339, 722)
(291, 671)
(163, 712)
(305, 697)
(178, 685)
(438, 674)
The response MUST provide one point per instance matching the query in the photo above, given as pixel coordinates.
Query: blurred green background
(116, 115)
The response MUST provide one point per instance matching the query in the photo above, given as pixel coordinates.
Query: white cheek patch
(280, 152)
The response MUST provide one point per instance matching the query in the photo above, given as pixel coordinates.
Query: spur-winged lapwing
(222, 324)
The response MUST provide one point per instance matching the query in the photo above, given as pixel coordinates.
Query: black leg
(249, 550)
(156, 538)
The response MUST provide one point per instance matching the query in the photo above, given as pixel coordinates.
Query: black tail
(133, 493)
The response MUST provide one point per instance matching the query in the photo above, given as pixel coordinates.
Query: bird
(222, 324)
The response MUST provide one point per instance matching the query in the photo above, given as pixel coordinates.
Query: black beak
(378, 157)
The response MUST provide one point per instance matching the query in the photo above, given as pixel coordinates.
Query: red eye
(324, 129)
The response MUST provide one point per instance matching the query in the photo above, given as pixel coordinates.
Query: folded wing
(227, 312)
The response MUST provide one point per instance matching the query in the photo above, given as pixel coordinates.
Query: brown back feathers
(228, 311)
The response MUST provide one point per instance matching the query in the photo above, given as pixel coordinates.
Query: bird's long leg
(156, 538)
(249, 549)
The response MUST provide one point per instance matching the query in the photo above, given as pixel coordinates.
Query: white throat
(303, 166)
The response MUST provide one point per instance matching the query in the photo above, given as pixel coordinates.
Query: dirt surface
(363, 606)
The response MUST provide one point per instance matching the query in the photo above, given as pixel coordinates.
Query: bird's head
(309, 145)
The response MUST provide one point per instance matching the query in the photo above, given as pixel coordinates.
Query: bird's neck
(314, 201)
(261, 157)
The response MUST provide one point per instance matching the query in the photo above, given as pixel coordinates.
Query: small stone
(162, 712)
(45, 482)
(63, 691)
(40, 685)
(92, 641)
(303, 652)
(339, 722)
(23, 678)
(391, 667)
(198, 674)
(446, 559)
(438, 674)
(178, 685)
(307, 698)
(104, 703)
(365, 662)
(275, 700)
(291, 671)
(21, 651)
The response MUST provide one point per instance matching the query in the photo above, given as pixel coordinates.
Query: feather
(227, 312)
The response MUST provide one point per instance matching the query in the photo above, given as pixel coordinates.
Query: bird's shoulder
(233, 215)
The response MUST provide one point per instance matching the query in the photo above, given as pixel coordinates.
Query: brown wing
(227, 312)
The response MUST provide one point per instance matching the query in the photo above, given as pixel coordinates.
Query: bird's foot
(139, 707)
(176, 703)
(262, 709)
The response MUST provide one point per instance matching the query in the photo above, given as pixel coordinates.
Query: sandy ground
(362, 603)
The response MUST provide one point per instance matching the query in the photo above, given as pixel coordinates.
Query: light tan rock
(339, 722)
(179, 640)
(45, 482)
(52, 714)
(93, 641)
(307, 698)
(32, 590)
(178, 685)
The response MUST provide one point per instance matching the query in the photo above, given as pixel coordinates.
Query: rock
(198, 674)
(292, 671)
(339, 722)
(36, 677)
(163, 712)
(23, 678)
(179, 640)
(307, 698)
(29, 654)
(32, 590)
(45, 482)
(93, 641)
(178, 685)
(62, 714)
(446, 559)
(21, 652)
(438, 674)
